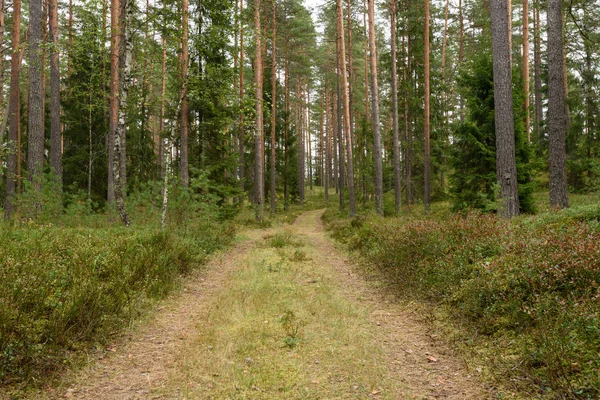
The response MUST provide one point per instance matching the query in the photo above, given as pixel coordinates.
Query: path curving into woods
(281, 315)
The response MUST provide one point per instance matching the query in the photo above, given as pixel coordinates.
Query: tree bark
(506, 170)
(537, 72)
(163, 93)
(525, 68)
(375, 114)
(258, 96)
(345, 95)
(300, 136)
(273, 103)
(125, 80)
(115, 44)
(556, 108)
(55, 128)
(426, 122)
(395, 132)
(185, 117)
(241, 151)
(14, 105)
(35, 149)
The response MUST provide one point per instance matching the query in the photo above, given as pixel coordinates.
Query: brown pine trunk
(241, 151)
(556, 108)
(426, 122)
(506, 169)
(300, 136)
(11, 164)
(340, 141)
(537, 72)
(396, 138)
(375, 115)
(55, 129)
(185, 117)
(345, 95)
(350, 69)
(407, 132)
(461, 51)
(366, 62)
(286, 130)
(327, 171)
(525, 67)
(258, 97)
(309, 140)
(273, 104)
(444, 102)
(35, 139)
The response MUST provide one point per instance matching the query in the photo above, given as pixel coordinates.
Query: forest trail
(282, 315)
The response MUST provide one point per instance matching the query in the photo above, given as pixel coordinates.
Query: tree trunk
(300, 136)
(556, 108)
(14, 105)
(241, 151)
(340, 140)
(125, 80)
(258, 96)
(327, 171)
(350, 67)
(273, 104)
(396, 139)
(375, 114)
(286, 130)
(537, 72)
(115, 44)
(525, 67)
(185, 112)
(309, 140)
(55, 129)
(426, 122)
(461, 52)
(163, 93)
(506, 170)
(444, 102)
(344, 90)
(35, 148)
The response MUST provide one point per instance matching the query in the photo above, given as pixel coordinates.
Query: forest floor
(281, 315)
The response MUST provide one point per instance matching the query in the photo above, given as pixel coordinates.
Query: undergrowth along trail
(280, 316)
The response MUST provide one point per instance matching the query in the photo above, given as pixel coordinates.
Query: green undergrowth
(70, 286)
(524, 293)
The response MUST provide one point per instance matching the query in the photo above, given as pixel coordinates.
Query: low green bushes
(64, 289)
(532, 286)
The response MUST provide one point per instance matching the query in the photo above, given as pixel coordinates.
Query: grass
(71, 282)
(521, 295)
(282, 329)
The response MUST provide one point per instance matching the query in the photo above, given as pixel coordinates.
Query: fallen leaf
(432, 359)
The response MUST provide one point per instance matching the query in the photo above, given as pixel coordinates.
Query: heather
(527, 289)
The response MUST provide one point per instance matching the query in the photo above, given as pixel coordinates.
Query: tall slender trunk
(241, 151)
(506, 169)
(185, 111)
(286, 130)
(301, 144)
(556, 107)
(366, 62)
(461, 52)
(3, 108)
(340, 141)
(163, 95)
(537, 72)
(55, 129)
(444, 102)
(35, 148)
(327, 171)
(525, 68)
(350, 64)
(258, 96)
(407, 133)
(273, 103)
(336, 132)
(125, 81)
(321, 167)
(426, 122)
(344, 89)
(396, 139)
(309, 140)
(115, 44)
(11, 164)
(375, 115)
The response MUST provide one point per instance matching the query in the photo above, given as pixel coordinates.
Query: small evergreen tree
(474, 149)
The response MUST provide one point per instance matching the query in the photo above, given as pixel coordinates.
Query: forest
(452, 147)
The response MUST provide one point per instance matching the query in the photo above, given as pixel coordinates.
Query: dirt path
(281, 316)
